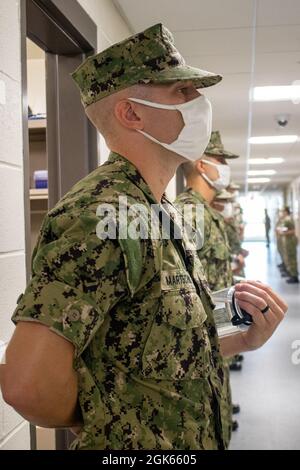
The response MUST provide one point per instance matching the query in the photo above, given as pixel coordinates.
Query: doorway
(60, 144)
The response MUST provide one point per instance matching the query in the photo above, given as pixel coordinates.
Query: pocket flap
(220, 251)
(183, 309)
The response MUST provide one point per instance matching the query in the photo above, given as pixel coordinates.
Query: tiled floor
(268, 387)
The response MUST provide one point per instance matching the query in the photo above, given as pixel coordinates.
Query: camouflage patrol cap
(146, 57)
(216, 148)
(234, 186)
(224, 194)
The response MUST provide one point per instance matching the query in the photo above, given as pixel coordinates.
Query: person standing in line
(224, 205)
(204, 179)
(290, 242)
(233, 189)
(267, 227)
(279, 243)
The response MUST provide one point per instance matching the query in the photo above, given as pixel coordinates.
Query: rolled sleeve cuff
(64, 309)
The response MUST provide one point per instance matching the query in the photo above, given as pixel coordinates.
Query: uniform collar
(133, 174)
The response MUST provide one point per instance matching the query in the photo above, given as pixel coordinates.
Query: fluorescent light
(259, 180)
(277, 93)
(273, 139)
(266, 161)
(261, 172)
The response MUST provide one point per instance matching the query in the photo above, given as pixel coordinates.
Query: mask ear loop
(207, 179)
(208, 162)
(204, 176)
(211, 163)
(154, 105)
(172, 107)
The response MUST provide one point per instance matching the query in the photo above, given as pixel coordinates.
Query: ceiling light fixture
(266, 161)
(259, 180)
(261, 172)
(273, 139)
(277, 93)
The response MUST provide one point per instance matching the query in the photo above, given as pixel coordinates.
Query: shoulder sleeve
(194, 214)
(76, 279)
(204, 252)
(233, 238)
(289, 224)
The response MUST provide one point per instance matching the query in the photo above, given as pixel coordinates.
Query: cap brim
(223, 154)
(200, 78)
(224, 197)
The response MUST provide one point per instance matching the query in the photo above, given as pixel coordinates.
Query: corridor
(268, 387)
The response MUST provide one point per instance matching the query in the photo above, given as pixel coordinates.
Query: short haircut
(188, 169)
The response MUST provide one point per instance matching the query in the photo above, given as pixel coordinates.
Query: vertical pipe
(250, 109)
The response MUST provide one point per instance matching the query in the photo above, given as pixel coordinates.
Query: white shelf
(37, 123)
(38, 194)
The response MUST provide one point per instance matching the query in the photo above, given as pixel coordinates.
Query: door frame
(67, 34)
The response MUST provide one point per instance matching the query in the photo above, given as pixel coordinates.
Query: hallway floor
(268, 387)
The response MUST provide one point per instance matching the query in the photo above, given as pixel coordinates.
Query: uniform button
(74, 315)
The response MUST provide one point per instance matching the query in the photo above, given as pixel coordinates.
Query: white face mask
(227, 212)
(224, 176)
(195, 134)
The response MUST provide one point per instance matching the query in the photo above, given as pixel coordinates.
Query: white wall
(14, 431)
(111, 28)
(36, 85)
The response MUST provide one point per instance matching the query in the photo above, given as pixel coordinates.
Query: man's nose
(194, 93)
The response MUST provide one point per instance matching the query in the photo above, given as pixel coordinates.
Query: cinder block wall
(14, 431)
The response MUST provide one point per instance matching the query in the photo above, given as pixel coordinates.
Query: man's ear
(126, 112)
(199, 165)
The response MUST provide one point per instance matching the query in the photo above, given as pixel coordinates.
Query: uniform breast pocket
(177, 347)
(221, 251)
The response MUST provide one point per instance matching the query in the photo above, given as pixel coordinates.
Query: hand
(241, 260)
(253, 296)
(244, 252)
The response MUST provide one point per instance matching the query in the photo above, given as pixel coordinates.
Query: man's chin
(179, 159)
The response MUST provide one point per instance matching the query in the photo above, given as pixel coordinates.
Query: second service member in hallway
(288, 241)
(204, 178)
(103, 342)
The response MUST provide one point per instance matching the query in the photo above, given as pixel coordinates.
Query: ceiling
(251, 43)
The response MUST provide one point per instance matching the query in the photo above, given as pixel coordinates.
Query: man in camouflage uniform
(215, 253)
(267, 227)
(289, 242)
(279, 242)
(116, 335)
(221, 201)
(233, 189)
